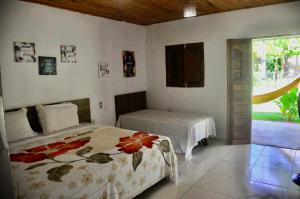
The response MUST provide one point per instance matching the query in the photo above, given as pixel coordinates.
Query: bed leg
(204, 141)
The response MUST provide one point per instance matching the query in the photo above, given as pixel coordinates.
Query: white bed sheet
(184, 129)
(40, 136)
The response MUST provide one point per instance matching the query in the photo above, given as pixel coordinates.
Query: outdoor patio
(279, 134)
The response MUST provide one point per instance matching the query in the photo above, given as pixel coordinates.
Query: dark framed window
(185, 65)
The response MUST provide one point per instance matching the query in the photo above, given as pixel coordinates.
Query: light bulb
(189, 10)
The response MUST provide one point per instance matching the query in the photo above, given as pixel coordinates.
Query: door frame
(229, 135)
(230, 94)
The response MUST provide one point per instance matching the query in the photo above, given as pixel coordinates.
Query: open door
(239, 92)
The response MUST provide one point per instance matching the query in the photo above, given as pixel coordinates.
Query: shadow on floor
(279, 134)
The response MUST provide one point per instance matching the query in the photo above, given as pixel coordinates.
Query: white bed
(184, 129)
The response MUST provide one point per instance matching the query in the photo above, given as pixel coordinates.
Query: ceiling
(146, 12)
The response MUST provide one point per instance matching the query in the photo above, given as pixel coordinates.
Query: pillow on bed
(58, 116)
(17, 125)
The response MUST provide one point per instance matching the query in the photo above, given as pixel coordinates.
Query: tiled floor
(280, 134)
(220, 171)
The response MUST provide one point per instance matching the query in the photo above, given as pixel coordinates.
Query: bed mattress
(184, 129)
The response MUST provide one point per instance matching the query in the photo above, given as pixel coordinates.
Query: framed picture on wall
(24, 52)
(47, 66)
(128, 64)
(103, 69)
(68, 53)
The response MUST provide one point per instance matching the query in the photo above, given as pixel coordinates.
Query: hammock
(259, 99)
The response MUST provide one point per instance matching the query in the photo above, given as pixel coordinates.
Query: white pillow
(17, 125)
(57, 117)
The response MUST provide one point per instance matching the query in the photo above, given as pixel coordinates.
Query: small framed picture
(68, 53)
(128, 64)
(47, 66)
(24, 52)
(103, 69)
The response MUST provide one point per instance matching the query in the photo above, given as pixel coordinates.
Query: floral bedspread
(107, 163)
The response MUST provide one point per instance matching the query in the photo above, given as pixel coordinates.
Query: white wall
(97, 39)
(213, 30)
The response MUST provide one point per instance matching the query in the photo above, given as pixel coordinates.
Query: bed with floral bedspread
(105, 163)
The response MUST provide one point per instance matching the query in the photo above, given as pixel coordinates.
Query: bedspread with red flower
(102, 163)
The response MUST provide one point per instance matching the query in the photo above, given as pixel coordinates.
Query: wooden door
(239, 91)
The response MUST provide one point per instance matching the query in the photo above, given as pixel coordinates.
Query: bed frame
(84, 113)
(130, 102)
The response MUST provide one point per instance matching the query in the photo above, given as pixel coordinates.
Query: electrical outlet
(100, 105)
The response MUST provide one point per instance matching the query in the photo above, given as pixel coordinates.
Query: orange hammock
(259, 99)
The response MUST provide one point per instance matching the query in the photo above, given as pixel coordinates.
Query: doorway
(275, 82)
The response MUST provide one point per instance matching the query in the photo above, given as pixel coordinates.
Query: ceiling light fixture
(189, 9)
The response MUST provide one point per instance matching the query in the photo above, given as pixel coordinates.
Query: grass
(271, 116)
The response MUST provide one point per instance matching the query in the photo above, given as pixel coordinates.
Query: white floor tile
(240, 157)
(233, 169)
(251, 189)
(293, 194)
(285, 163)
(189, 173)
(164, 189)
(276, 177)
(278, 152)
(248, 148)
(296, 166)
(297, 156)
(196, 193)
(210, 154)
(205, 164)
(224, 185)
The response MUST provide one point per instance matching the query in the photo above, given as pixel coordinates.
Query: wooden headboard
(130, 102)
(84, 113)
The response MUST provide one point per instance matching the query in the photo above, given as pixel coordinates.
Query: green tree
(279, 51)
